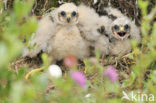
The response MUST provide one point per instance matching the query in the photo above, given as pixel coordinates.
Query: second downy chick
(120, 30)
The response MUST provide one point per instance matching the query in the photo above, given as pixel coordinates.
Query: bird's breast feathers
(68, 41)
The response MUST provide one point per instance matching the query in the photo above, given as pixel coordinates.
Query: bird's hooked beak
(68, 17)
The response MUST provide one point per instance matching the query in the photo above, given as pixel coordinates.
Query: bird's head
(120, 28)
(68, 14)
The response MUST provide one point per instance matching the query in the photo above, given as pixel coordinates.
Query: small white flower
(87, 95)
(55, 71)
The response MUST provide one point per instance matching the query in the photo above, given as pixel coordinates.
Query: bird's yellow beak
(68, 17)
(121, 28)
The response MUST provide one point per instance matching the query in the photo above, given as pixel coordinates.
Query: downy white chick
(59, 35)
(122, 31)
(67, 40)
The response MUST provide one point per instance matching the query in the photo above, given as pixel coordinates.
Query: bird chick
(122, 32)
(67, 40)
(58, 34)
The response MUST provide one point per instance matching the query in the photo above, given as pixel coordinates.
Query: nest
(128, 7)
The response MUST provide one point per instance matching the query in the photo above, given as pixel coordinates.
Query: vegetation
(98, 84)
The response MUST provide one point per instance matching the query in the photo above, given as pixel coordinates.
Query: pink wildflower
(111, 73)
(79, 78)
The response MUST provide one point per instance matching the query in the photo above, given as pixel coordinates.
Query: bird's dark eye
(126, 27)
(116, 27)
(74, 13)
(63, 13)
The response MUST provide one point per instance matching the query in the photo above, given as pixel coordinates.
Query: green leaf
(22, 8)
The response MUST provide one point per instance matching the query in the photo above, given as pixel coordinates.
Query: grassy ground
(136, 72)
(129, 8)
